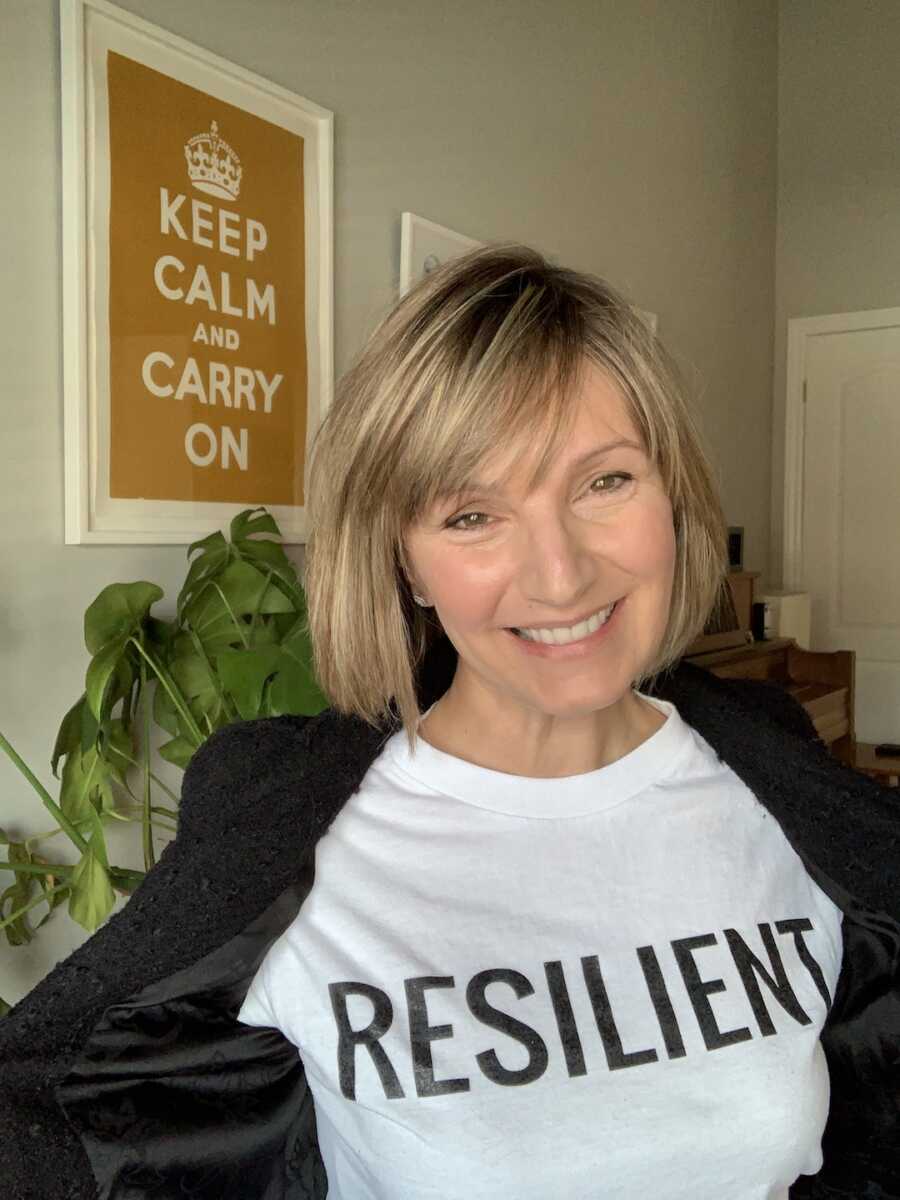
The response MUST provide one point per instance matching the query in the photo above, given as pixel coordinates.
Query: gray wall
(633, 138)
(838, 235)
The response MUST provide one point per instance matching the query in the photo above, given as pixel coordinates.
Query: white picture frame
(95, 35)
(424, 245)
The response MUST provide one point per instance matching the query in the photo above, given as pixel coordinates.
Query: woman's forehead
(598, 421)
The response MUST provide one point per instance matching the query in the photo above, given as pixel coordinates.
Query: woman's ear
(409, 576)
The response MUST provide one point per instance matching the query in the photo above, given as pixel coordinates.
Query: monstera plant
(237, 648)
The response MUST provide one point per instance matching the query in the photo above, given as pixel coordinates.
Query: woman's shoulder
(284, 773)
(237, 761)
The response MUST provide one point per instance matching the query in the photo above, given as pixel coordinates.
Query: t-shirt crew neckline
(564, 796)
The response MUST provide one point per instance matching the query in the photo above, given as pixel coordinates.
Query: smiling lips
(563, 636)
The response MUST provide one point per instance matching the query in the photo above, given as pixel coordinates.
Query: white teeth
(562, 637)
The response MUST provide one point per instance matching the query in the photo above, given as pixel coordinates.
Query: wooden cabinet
(742, 584)
(822, 681)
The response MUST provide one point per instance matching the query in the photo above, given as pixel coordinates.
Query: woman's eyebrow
(491, 489)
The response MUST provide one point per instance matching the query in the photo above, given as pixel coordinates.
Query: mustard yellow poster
(207, 347)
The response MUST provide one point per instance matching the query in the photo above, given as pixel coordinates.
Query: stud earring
(420, 600)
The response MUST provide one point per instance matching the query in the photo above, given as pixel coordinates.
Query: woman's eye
(456, 523)
(622, 476)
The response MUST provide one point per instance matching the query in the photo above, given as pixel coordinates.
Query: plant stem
(165, 812)
(239, 625)
(37, 868)
(160, 823)
(49, 803)
(134, 762)
(124, 879)
(20, 912)
(174, 695)
(147, 821)
(227, 704)
(262, 595)
(159, 783)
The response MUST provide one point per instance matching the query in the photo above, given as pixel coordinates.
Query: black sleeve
(777, 703)
(189, 904)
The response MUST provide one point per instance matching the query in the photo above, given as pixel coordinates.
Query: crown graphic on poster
(213, 166)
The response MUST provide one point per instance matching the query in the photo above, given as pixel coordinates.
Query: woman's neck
(519, 741)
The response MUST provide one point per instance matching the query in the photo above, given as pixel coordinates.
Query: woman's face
(597, 530)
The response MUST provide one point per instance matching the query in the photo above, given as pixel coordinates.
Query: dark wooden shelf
(822, 681)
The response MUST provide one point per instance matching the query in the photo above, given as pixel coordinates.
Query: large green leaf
(265, 632)
(271, 558)
(118, 612)
(116, 748)
(165, 713)
(89, 775)
(89, 724)
(215, 553)
(101, 670)
(125, 684)
(19, 932)
(197, 681)
(92, 897)
(179, 751)
(263, 552)
(210, 546)
(294, 690)
(191, 671)
(79, 784)
(78, 731)
(220, 613)
(69, 735)
(298, 691)
(253, 520)
(245, 674)
(271, 680)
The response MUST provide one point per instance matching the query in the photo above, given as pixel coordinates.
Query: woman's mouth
(566, 643)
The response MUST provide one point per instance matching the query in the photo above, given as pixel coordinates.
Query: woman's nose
(556, 564)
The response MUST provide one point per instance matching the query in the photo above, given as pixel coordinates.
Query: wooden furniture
(742, 584)
(822, 681)
(729, 622)
(885, 770)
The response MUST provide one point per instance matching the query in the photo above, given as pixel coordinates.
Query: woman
(513, 917)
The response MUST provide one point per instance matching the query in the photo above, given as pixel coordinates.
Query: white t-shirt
(605, 986)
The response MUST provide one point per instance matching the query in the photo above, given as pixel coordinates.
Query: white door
(850, 543)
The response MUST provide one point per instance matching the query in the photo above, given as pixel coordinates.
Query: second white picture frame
(424, 245)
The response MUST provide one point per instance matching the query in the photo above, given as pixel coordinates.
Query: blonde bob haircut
(487, 351)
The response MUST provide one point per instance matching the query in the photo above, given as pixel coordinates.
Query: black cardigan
(124, 1072)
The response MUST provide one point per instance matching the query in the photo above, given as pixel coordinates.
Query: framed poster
(424, 245)
(197, 267)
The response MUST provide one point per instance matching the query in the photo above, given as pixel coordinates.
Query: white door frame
(800, 329)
